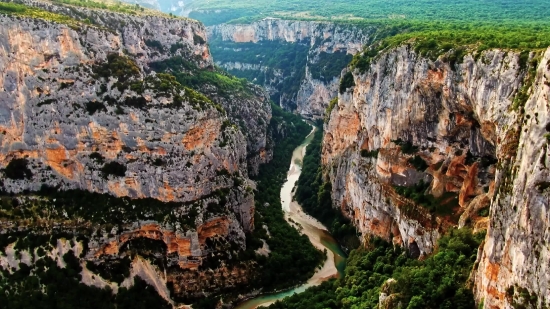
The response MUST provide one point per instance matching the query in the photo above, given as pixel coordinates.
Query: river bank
(313, 229)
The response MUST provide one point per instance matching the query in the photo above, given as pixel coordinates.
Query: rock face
(49, 89)
(325, 43)
(273, 29)
(82, 108)
(515, 256)
(461, 136)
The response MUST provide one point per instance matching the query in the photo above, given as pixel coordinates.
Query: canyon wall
(307, 86)
(416, 145)
(513, 265)
(82, 109)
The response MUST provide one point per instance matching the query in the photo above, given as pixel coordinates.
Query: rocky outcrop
(48, 117)
(82, 108)
(325, 42)
(418, 145)
(138, 35)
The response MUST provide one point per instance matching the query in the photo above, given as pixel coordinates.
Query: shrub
(137, 102)
(329, 109)
(154, 44)
(93, 107)
(113, 168)
(406, 147)
(418, 163)
(369, 154)
(97, 157)
(159, 162)
(346, 82)
(442, 205)
(483, 212)
(120, 67)
(197, 39)
(17, 169)
(65, 85)
(175, 47)
(46, 102)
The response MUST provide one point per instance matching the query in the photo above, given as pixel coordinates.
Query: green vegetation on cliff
(329, 65)
(190, 75)
(455, 39)
(315, 196)
(46, 285)
(25, 11)
(439, 281)
(275, 61)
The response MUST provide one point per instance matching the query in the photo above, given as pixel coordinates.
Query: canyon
(317, 52)
(123, 142)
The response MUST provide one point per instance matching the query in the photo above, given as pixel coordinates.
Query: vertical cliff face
(310, 83)
(139, 36)
(82, 108)
(56, 113)
(273, 29)
(418, 145)
(513, 266)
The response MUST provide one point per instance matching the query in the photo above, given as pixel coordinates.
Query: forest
(293, 259)
(436, 27)
(460, 10)
(438, 281)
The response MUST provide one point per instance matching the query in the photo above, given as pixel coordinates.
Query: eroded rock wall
(513, 265)
(481, 149)
(48, 82)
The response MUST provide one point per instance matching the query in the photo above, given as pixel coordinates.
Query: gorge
(145, 157)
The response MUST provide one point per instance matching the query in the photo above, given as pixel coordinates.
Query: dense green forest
(439, 281)
(282, 62)
(458, 10)
(329, 65)
(436, 26)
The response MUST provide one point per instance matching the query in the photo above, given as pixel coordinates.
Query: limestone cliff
(306, 88)
(513, 268)
(82, 108)
(416, 145)
(139, 36)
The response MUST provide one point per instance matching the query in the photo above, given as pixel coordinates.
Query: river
(317, 233)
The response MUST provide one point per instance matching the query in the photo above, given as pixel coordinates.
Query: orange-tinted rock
(57, 158)
(216, 227)
(201, 136)
(469, 185)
